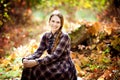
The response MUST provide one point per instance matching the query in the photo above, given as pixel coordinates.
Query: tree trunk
(79, 36)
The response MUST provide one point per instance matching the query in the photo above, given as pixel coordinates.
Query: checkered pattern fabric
(57, 66)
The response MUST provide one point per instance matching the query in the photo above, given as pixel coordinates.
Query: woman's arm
(57, 53)
(40, 49)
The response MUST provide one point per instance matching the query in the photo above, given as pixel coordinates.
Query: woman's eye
(58, 22)
(53, 21)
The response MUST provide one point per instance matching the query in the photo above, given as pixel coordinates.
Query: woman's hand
(29, 63)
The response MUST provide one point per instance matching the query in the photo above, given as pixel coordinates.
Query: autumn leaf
(101, 78)
(1, 60)
(12, 56)
(90, 76)
(15, 67)
(84, 60)
(106, 74)
(5, 62)
(95, 28)
(108, 30)
(78, 68)
(8, 69)
(73, 55)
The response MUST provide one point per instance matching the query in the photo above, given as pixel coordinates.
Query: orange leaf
(106, 74)
(77, 68)
(108, 30)
(5, 62)
(73, 55)
(95, 29)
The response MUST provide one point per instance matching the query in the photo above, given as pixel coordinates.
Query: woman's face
(55, 23)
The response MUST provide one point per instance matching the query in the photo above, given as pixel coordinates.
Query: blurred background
(23, 22)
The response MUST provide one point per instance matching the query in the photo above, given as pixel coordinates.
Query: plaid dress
(57, 65)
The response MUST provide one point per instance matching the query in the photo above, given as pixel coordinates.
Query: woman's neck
(53, 32)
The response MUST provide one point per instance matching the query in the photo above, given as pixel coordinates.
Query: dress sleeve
(40, 49)
(57, 53)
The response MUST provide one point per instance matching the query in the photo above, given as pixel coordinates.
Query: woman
(57, 65)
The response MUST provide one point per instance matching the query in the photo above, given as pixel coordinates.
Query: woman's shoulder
(47, 34)
(65, 34)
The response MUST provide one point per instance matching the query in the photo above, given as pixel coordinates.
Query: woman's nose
(54, 23)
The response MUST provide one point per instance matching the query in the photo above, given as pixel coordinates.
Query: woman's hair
(57, 39)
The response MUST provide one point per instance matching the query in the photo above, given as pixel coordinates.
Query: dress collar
(53, 35)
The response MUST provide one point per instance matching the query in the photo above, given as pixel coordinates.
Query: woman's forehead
(55, 17)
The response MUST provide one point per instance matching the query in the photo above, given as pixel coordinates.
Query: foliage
(4, 12)
(11, 66)
(101, 58)
(12, 9)
(43, 4)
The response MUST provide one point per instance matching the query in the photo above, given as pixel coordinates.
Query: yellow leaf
(77, 68)
(12, 56)
(5, 62)
(8, 69)
(108, 30)
(15, 67)
(73, 55)
(84, 60)
(101, 78)
(1, 60)
(33, 48)
(87, 5)
(97, 27)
